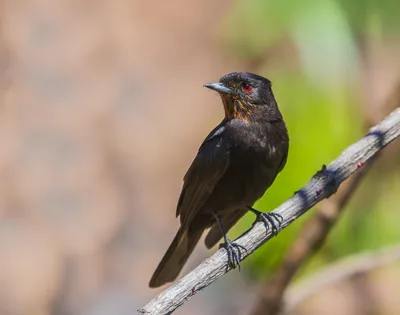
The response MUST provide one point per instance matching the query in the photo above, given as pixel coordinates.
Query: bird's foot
(234, 253)
(271, 220)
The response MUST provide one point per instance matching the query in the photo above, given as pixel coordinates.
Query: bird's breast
(257, 152)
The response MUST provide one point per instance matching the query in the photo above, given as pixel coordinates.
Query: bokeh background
(102, 110)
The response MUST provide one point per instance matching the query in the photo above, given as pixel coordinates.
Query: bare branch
(314, 232)
(338, 272)
(309, 241)
(321, 186)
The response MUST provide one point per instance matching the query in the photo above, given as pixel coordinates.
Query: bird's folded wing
(208, 167)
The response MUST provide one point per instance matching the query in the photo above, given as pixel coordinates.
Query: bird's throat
(236, 108)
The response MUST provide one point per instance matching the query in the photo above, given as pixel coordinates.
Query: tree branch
(314, 232)
(338, 272)
(321, 186)
(309, 241)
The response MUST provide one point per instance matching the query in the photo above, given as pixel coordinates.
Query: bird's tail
(176, 256)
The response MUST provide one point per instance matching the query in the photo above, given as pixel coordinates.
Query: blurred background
(102, 111)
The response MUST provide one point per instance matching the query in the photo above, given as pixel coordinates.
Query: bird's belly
(242, 185)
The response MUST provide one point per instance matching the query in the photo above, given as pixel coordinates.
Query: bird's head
(246, 96)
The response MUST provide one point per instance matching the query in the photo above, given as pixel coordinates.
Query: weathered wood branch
(310, 239)
(315, 231)
(321, 186)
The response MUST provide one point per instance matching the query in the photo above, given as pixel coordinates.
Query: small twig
(339, 272)
(321, 186)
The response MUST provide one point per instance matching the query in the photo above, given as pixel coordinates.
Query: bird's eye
(247, 87)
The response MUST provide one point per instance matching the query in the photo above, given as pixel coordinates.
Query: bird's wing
(210, 164)
(284, 144)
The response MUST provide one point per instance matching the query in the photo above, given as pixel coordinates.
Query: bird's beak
(219, 87)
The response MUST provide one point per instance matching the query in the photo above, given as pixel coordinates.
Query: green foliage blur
(319, 96)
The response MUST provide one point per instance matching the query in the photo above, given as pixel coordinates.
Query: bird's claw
(234, 253)
(271, 220)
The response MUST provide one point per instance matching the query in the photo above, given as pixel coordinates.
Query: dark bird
(234, 166)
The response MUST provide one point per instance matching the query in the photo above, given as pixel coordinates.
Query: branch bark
(309, 241)
(313, 234)
(323, 184)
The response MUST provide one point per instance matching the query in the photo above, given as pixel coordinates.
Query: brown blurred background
(102, 110)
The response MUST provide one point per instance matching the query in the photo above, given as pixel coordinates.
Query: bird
(234, 166)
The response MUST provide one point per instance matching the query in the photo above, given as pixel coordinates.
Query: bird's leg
(269, 219)
(233, 249)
